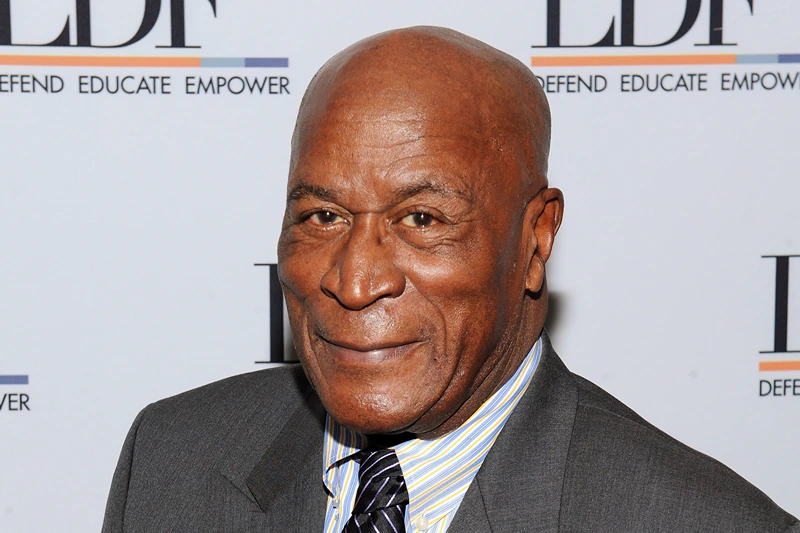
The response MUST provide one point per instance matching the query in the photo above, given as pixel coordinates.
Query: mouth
(343, 351)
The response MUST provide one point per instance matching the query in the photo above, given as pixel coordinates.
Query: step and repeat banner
(144, 149)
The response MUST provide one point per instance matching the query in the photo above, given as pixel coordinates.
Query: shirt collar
(340, 443)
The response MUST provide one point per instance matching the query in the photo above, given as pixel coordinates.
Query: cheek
(299, 268)
(298, 276)
(464, 291)
(470, 293)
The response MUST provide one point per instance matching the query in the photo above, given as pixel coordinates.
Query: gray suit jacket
(245, 455)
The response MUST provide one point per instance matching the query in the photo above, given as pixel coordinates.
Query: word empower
(749, 81)
(14, 402)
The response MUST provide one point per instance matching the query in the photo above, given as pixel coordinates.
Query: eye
(418, 220)
(325, 218)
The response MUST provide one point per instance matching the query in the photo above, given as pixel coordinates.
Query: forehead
(385, 144)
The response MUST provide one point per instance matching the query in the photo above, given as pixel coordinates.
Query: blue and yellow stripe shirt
(437, 471)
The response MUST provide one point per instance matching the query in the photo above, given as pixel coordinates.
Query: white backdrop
(131, 224)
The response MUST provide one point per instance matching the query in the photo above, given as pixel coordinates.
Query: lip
(347, 352)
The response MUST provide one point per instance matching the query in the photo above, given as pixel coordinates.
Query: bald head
(437, 74)
(418, 222)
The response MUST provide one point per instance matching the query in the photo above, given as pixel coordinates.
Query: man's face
(400, 261)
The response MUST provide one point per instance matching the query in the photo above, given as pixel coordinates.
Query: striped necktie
(381, 497)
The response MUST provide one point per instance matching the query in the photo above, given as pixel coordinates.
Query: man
(417, 226)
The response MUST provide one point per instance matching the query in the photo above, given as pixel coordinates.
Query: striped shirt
(437, 471)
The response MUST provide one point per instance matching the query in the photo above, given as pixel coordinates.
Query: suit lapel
(287, 481)
(519, 485)
(279, 489)
(471, 515)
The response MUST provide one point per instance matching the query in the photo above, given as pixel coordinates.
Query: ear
(542, 220)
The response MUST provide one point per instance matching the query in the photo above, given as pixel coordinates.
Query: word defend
(779, 387)
(27, 83)
(572, 83)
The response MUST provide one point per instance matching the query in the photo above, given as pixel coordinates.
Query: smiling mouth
(347, 352)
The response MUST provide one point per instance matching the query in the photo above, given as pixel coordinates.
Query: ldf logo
(277, 339)
(781, 343)
(780, 387)
(627, 23)
(83, 25)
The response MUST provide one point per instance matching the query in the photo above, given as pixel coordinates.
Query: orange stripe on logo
(99, 61)
(618, 61)
(767, 366)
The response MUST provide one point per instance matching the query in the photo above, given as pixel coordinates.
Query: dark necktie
(381, 497)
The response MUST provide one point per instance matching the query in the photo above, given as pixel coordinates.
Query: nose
(364, 270)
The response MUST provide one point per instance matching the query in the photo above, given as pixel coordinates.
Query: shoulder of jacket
(238, 405)
(625, 471)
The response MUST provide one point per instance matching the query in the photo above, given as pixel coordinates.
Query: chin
(372, 417)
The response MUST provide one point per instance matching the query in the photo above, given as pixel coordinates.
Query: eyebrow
(304, 190)
(427, 185)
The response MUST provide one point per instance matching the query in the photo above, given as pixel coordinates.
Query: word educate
(634, 83)
(14, 402)
(779, 387)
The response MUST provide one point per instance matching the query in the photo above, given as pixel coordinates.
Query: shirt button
(421, 523)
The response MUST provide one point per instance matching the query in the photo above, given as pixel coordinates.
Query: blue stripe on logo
(279, 62)
(13, 380)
